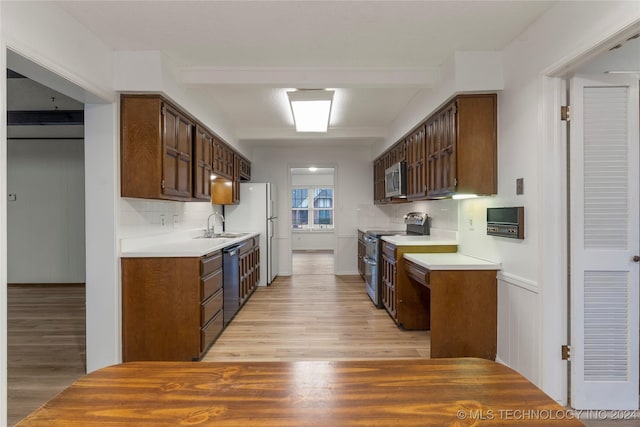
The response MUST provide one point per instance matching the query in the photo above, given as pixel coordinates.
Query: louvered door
(604, 239)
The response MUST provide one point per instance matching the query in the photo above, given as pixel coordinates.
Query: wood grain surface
(420, 392)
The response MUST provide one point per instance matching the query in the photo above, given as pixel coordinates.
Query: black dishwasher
(231, 281)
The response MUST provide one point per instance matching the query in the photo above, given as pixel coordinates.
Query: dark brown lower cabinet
(249, 268)
(171, 307)
(463, 310)
(406, 302)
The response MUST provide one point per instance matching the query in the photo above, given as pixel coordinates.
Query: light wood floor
(315, 317)
(303, 317)
(312, 262)
(45, 344)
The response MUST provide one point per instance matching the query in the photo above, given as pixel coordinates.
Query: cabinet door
(448, 128)
(389, 285)
(222, 155)
(432, 151)
(378, 181)
(416, 170)
(203, 167)
(236, 179)
(177, 143)
(441, 152)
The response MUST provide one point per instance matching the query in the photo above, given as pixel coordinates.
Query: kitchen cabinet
(171, 307)
(397, 153)
(222, 160)
(378, 182)
(461, 147)
(203, 164)
(156, 147)
(416, 164)
(166, 154)
(249, 268)
(225, 188)
(453, 151)
(406, 302)
(244, 168)
(463, 310)
(362, 250)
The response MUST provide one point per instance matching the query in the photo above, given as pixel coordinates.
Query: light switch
(12, 197)
(519, 186)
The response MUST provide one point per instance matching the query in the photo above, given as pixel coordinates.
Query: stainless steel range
(417, 223)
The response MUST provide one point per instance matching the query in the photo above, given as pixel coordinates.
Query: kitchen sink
(229, 234)
(222, 237)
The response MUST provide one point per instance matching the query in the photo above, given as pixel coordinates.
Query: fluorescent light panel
(311, 109)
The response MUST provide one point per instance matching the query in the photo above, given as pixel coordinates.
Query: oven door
(371, 280)
(371, 247)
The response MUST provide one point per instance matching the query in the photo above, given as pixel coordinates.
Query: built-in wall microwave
(395, 180)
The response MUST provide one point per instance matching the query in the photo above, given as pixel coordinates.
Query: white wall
(142, 217)
(532, 287)
(353, 191)
(151, 71)
(61, 53)
(45, 224)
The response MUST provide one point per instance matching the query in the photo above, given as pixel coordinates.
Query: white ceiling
(243, 55)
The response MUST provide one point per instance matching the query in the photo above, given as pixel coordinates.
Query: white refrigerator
(256, 212)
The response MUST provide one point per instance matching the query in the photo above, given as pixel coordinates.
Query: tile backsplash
(443, 213)
(139, 217)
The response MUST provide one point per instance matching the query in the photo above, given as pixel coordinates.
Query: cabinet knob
(636, 258)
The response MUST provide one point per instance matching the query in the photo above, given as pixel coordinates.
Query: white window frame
(311, 226)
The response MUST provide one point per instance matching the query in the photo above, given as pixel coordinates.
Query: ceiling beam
(312, 77)
(45, 118)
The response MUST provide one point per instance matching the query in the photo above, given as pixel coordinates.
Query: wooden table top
(414, 392)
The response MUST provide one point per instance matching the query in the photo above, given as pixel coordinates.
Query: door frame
(288, 217)
(554, 236)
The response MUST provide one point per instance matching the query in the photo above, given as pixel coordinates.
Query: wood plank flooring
(45, 344)
(303, 317)
(315, 317)
(312, 262)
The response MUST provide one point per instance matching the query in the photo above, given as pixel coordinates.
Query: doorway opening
(46, 299)
(312, 220)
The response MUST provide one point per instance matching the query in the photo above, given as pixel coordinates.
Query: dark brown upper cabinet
(453, 151)
(462, 147)
(167, 154)
(156, 146)
(203, 164)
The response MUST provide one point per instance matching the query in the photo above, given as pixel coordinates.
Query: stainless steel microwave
(395, 180)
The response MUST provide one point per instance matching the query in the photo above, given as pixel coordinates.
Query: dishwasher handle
(233, 250)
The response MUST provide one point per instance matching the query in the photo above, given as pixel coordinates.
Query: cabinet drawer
(417, 272)
(210, 263)
(210, 331)
(210, 307)
(389, 249)
(210, 284)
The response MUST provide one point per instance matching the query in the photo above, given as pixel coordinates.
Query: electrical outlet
(175, 221)
(162, 220)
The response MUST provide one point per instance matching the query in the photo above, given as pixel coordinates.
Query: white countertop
(451, 261)
(175, 245)
(418, 240)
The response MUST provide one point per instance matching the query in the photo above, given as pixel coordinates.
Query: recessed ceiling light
(311, 109)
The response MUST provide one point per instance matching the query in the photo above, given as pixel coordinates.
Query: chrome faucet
(209, 232)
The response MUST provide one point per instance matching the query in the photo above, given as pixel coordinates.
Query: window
(312, 208)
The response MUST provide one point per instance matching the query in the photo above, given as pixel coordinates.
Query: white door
(604, 214)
